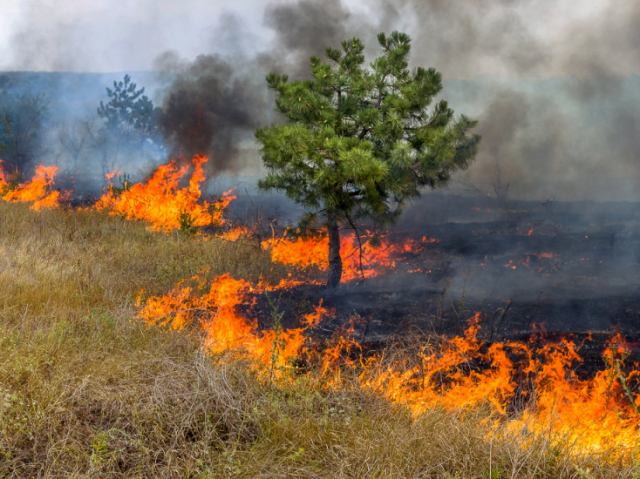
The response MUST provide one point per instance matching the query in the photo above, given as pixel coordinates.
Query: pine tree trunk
(335, 262)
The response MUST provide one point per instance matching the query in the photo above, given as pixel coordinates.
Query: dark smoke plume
(208, 108)
(553, 83)
(304, 29)
(214, 103)
(545, 137)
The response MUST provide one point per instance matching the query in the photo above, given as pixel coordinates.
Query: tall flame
(162, 203)
(39, 190)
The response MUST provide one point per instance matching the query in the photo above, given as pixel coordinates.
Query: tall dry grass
(86, 391)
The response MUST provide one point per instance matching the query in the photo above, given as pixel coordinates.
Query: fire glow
(533, 388)
(161, 202)
(39, 190)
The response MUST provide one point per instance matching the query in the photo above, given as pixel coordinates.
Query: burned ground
(534, 271)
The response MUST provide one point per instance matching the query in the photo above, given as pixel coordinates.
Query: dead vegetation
(86, 391)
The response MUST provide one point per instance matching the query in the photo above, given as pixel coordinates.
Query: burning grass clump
(86, 390)
(162, 203)
(39, 191)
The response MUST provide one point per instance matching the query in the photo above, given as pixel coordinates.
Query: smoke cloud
(556, 94)
(553, 84)
(207, 109)
(304, 29)
(217, 101)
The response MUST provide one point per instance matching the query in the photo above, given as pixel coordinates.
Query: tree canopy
(127, 109)
(22, 123)
(360, 142)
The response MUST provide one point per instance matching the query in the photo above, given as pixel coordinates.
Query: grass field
(86, 390)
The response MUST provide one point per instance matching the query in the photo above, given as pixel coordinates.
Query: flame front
(225, 329)
(162, 203)
(375, 260)
(39, 190)
(539, 395)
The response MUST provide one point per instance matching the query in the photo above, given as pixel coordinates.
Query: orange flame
(39, 190)
(593, 413)
(312, 252)
(162, 203)
(225, 329)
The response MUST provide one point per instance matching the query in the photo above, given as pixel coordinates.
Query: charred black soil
(535, 272)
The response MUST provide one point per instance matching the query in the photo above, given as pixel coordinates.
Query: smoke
(555, 99)
(304, 29)
(217, 101)
(554, 88)
(207, 109)
(23, 118)
(570, 138)
(553, 84)
(521, 38)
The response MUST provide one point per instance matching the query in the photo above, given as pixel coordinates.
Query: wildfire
(166, 206)
(162, 203)
(225, 329)
(532, 387)
(375, 260)
(39, 190)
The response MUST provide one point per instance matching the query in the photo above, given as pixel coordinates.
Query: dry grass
(87, 392)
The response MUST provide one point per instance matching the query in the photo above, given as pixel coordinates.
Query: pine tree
(22, 123)
(128, 109)
(360, 142)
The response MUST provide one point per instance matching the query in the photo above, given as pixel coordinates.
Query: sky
(533, 38)
(553, 83)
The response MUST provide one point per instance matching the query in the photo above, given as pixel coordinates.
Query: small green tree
(131, 124)
(128, 109)
(360, 143)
